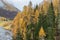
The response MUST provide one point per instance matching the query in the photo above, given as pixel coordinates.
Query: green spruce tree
(50, 23)
(38, 26)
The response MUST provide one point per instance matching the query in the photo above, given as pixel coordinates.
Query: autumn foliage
(31, 15)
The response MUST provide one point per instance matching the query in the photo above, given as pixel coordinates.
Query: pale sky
(20, 3)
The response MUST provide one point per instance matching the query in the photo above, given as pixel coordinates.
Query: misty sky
(20, 3)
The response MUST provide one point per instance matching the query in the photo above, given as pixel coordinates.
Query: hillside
(5, 23)
(7, 14)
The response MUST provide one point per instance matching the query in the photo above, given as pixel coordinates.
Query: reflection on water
(5, 34)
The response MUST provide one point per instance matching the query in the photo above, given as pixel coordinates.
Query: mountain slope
(8, 6)
(7, 14)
